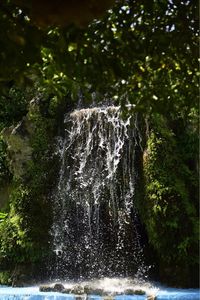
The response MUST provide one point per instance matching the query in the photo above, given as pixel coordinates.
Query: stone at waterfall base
(88, 290)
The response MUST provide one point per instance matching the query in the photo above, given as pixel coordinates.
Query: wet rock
(129, 292)
(77, 290)
(66, 290)
(93, 291)
(87, 289)
(134, 292)
(139, 292)
(46, 288)
(58, 287)
(80, 297)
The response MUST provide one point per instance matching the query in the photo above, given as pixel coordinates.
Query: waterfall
(95, 221)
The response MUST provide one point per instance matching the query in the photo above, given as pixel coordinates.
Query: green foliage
(24, 232)
(170, 211)
(2, 216)
(5, 278)
(5, 175)
(134, 54)
(20, 44)
(13, 234)
(144, 52)
(13, 106)
(43, 129)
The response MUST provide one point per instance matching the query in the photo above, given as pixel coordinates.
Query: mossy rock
(129, 292)
(87, 289)
(93, 291)
(58, 287)
(132, 291)
(139, 292)
(46, 288)
(77, 290)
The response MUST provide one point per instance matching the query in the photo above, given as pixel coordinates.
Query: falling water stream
(95, 221)
(95, 229)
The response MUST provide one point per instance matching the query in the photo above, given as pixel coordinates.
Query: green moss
(5, 278)
(5, 175)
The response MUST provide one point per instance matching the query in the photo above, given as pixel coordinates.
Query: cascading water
(95, 221)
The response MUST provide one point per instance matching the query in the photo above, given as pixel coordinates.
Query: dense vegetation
(141, 52)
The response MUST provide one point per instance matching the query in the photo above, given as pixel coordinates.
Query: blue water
(178, 294)
(32, 293)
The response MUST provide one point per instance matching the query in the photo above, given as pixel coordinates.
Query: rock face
(18, 140)
(19, 148)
